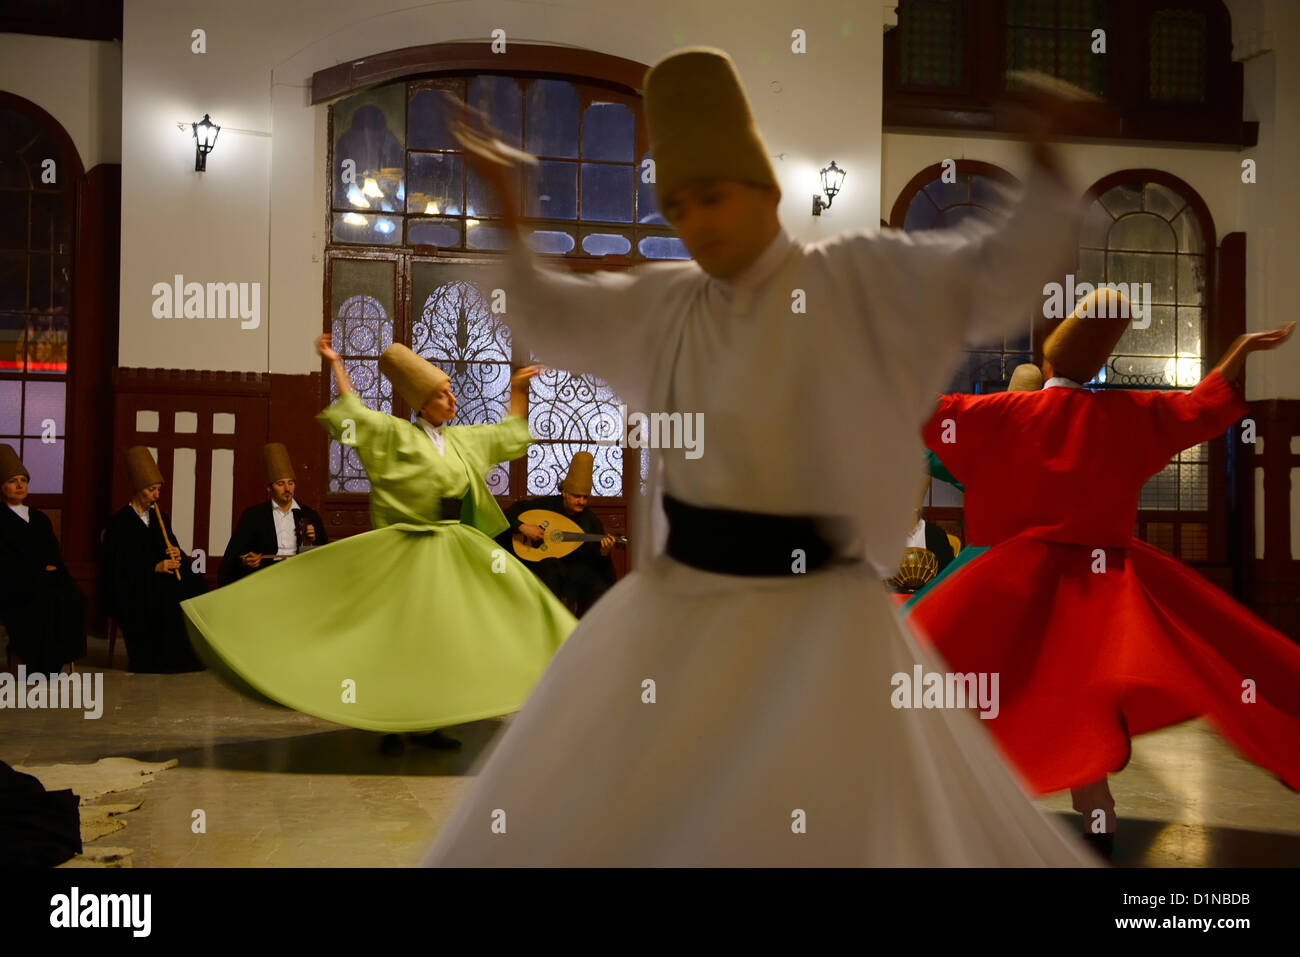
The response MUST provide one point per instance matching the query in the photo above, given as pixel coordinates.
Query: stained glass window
(400, 184)
(361, 329)
(454, 328)
(568, 413)
(36, 217)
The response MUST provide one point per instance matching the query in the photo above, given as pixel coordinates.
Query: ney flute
(166, 540)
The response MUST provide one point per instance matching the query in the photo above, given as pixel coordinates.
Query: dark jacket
(43, 610)
(256, 533)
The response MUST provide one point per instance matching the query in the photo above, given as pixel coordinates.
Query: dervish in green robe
(420, 624)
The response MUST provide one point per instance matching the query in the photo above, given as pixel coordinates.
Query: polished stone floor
(282, 789)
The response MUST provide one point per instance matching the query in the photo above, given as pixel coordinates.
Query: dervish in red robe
(1096, 635)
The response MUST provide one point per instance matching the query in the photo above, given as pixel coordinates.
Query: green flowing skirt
(405, 628)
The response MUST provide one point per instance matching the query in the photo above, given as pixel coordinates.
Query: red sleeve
(933, 432)
(1180, 420)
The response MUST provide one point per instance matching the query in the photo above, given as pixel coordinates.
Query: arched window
(411, 224)
(399, 178)
(939, 199)
(1148, 228)
(38, 173)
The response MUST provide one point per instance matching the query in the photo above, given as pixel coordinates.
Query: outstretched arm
(1234, 359)
(592, 321)
(336, 364)
(519, 390)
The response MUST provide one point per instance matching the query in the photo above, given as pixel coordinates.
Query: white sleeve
(598, 322)
(926, 295)
(981, 280)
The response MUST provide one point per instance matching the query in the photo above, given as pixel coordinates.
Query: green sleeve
(939, 471)
(350, 421)
(501, 442)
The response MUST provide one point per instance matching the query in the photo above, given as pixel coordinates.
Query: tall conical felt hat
(276, 461)
(1080, 345)
(414, 378)
(141, 468)
(11, 464)
(578, 481)
(700, 124)
(1027, 377)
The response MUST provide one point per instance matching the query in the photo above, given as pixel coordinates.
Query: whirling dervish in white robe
(701, 718)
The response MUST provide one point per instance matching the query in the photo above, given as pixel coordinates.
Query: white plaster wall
(258, 214)
(78, 82)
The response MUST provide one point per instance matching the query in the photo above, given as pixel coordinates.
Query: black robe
(38, 828)
(256, 533)
(146, 603)
(43, 611)
(580, 577)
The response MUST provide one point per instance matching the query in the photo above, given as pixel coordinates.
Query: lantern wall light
(832, 181)
(205, 137)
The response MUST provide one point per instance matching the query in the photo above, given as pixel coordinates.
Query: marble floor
(282, 789)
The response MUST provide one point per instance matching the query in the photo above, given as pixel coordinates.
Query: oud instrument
(166, 540)
(561, 536)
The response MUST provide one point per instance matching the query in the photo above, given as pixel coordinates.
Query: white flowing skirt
(696, 719)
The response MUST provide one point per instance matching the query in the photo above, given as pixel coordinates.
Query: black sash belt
(731, 542)
(451, 508)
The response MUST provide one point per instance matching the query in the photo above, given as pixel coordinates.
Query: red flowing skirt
(1088, 658)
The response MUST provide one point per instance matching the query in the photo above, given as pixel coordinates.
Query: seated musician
(583, 575)
(42, 608)
(274, 529)
(147, 575)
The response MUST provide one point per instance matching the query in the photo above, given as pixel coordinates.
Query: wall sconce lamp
(205, 137)
(832, 181)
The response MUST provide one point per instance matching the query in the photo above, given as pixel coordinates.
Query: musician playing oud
(583, 575)
(147, 575)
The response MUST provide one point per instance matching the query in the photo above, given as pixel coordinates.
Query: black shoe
(392, 744)
(1103, 844)
(437, 740)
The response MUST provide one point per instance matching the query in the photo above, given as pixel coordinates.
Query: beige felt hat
(415, 379)
(276, 462)
(700, 123)
(1027, 377)
(1084, 340)
(11, 464)
(141, 468)
(578, 481)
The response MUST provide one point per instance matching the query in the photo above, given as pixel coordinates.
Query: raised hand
(1263, 341)
(324, 348)
(496, 163)
(523, 375)
(1235, 358)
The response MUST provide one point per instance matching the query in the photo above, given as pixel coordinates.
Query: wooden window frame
(583, 67)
